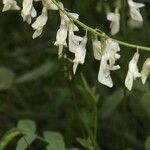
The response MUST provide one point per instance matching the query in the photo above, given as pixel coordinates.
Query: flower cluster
(106, 51)
(136, 19)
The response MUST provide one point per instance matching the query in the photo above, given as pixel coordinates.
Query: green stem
(99, 32)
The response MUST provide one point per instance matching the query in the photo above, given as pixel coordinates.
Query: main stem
(101, 33)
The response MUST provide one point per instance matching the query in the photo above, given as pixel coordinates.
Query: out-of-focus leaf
(9, 135)
(85, 143)
(34, 74)
(55, 140)
(147, 143)
(145, 101)
(27, 126)
(25, 142)
(111, 103)
(7, 77)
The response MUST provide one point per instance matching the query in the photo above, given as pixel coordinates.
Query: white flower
(28, 11)
(135, 10)
(133, 71)
(10, 5)
(80, 54)
(67, 26)
(145, 70)
(39, 23)
(73, 41)
(107, 63)
(61, 37)
(97, 50)
(115, 22)
(49, 5)
(134, 24)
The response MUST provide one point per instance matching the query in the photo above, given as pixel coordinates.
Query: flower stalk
(99, 32)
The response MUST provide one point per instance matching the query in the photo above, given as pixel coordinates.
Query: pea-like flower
(145, 70)
(133, 71)
(28, 11)
(74, 41)
(66, 26)
(80, 54)
(135, 10)
(108, 60)
(97, 50)
(115, 22)
(40, 23)
(10, 5)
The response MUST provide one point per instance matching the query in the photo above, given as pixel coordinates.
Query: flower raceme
(106, 52)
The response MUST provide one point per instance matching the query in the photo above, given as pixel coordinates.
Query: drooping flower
(49, 5)
(135, 10)
(97, 50)
(115, 22)
(80, 54)
(145, 70)
(107, 64)
(10, 5)
(28, 11)
(134, 24)
(39, 23)
(74, 41)
(62, 33)
(133, 71)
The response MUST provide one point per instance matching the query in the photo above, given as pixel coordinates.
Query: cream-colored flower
(97, 50)
(135, 10)
(61, 37)
(107, 63)
(10, 5)
(133, 71)
(28, 11)
(49, 5)
(74, 41)
(134, 24)
(80, 54)
(40, 23)
(115, 22)
(145, 70)
(67, 26)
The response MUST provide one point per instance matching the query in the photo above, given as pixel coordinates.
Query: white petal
(80, 54)
(129, 81)
(145, 70)
(61, 36)
(41, 20)
(136, 15)
(97, 49)
(104, 74)
(73, 41)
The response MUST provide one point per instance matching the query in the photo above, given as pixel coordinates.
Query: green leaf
(147, 143)
(145, 101)
(6, 78)
(25, 142)
(111, 103)
(27, 126)
(55, 140)
(85, 143)
(34, 74)
(10, 135)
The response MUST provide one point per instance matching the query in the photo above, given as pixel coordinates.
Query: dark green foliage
(35, 84)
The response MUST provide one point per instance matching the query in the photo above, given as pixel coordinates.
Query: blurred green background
(35, 84)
